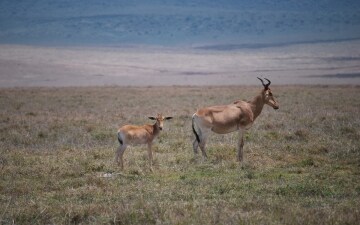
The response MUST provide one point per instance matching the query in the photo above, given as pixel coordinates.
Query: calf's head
(160, 120)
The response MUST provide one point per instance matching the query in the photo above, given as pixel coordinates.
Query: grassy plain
(302, 162)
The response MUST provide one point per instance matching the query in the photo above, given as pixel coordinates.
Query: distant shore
(328, 63)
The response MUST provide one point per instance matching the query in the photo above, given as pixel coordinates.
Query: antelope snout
(160, 128)
(273, 104)
(276, 106)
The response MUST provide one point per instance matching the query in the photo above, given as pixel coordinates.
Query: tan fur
(133, 135)
(223, 119)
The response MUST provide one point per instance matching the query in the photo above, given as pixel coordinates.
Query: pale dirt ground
(325, 63)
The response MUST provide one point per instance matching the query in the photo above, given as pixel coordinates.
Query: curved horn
(261, 81)
(268, 84)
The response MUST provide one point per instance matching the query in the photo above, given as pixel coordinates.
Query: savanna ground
(302, 162)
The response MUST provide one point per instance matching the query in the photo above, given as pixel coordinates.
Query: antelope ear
(152, 118)
(168, 117)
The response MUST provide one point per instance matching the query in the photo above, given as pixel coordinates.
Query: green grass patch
(57, 150)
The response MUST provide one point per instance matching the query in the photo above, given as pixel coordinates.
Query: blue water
(173, 22)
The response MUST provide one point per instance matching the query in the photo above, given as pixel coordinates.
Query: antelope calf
(222, 119)
(132, 135)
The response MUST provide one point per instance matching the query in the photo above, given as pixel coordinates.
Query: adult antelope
(223, 119)
(132, 135)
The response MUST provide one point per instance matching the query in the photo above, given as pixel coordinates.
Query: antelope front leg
(150, 153)
(240, 145)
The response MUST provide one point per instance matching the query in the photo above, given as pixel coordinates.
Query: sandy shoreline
(322, 63)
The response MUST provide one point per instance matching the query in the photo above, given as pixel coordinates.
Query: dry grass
(301, 166)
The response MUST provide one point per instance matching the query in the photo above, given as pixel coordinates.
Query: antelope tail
(119, 139)
(193, 129)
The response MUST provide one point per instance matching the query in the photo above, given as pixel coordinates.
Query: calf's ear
(168, 117)
(152, 118)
